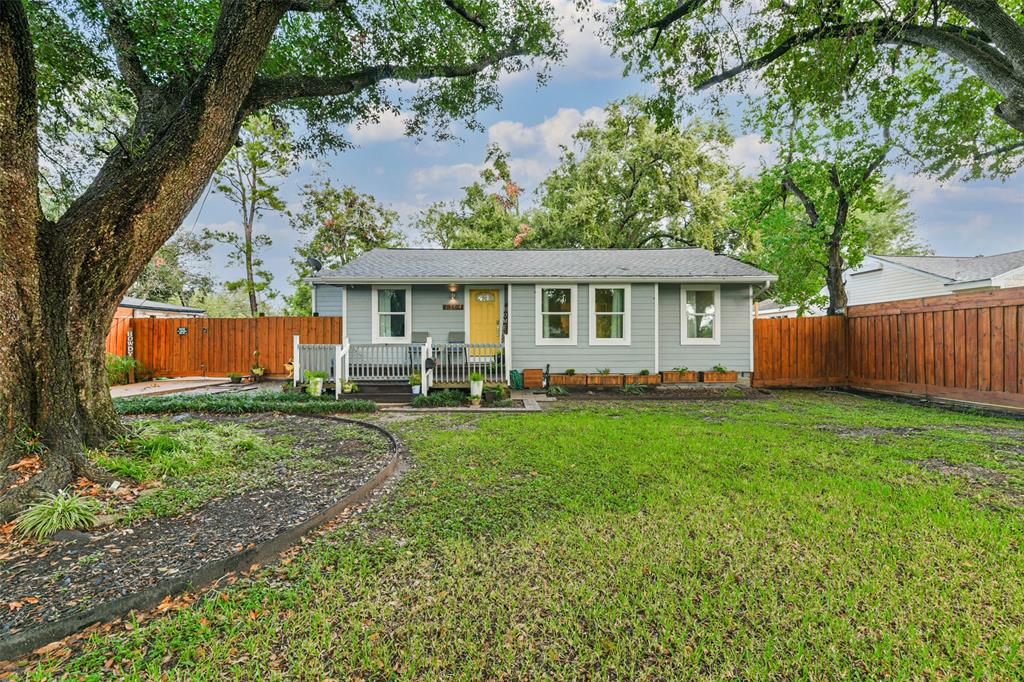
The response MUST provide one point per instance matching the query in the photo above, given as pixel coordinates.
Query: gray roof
(961, 268)
(529, 264)
(146, 304)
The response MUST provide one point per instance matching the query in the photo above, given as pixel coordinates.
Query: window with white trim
(701, 314)
(392, 311)
(609, 315)
(556, 315)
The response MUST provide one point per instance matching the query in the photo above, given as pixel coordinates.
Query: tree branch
(1003, 29)
(123, 41)
(790, 186)
(682, 8)
(960, 43)
(471, 17)
(268, 91)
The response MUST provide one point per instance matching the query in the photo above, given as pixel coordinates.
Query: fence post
(295, 359)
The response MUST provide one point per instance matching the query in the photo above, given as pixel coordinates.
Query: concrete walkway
(165, 387)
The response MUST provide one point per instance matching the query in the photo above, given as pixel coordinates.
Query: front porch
(445, 365)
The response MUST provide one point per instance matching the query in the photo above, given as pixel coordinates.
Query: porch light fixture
(453, 303)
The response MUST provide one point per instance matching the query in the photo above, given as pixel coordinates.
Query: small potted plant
(568, 378)
(350, 387)
(416, 382)
(235, 377)
(719, 375)
(257, 370)
(678, 375)
(604, 377)
(476, 385)
(315, 382)
(643, 378)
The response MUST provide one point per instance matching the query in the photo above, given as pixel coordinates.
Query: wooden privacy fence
(117, 337)
(209, 346)
(966, 347)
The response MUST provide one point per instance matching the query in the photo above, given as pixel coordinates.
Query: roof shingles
(961, 268)
(459, 264)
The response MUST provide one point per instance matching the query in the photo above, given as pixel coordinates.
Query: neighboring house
(625, 310)
(140, 307)
(892, 278)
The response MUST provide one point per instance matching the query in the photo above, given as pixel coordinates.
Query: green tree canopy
(960, 63)
(627, 182)
(337, 224)
(176, 274)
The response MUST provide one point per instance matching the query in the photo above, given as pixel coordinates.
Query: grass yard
(815, 536)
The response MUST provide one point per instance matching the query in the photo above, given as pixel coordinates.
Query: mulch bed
(45, 582)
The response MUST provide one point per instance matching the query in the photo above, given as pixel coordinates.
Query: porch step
(385, 391)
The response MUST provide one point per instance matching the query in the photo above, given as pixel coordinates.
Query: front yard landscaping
(813, 536)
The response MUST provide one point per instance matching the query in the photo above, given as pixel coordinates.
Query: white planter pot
(316, 386)
(416, 389)
(476, 389)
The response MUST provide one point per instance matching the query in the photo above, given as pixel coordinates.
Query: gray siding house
(625, 310)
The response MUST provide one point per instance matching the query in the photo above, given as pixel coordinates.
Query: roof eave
(707, 279)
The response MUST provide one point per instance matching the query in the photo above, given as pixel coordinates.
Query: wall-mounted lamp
(453, 303)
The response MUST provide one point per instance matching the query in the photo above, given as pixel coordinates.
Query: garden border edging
(25, 642)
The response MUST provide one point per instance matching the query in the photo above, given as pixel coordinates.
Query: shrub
(476, 376)
(241, 403)
(557, 390)
(605, 370)
(119, 368)
(569, 372)
(719, 368)
(448, 398)
(633, 389)
(645, 372)
(60, 511)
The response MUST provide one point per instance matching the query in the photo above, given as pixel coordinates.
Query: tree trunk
(250, 281)
(834, 275)
(61, 282)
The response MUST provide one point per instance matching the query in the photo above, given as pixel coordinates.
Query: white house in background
(893, 278)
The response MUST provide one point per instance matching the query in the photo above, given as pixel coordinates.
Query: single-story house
(625, 310)
(892, 278)
(141, 307)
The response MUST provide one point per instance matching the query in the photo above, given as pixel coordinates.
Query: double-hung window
(556, 315)
(392, 311)
(609, 314)
(701, 314)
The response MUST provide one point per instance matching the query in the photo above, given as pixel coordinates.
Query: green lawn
(799, 537)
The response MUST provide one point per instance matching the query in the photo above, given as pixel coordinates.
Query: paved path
(146, 388)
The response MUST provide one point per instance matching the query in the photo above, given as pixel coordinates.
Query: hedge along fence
(967, 347)
(209, 346)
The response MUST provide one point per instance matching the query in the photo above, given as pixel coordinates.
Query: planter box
(645, 379)
(533, 378)
(720, 377)
(679, 377)
(567, 379)
(604, 379)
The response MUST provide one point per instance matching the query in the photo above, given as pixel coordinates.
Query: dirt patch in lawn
(49, 581)
(978, 479)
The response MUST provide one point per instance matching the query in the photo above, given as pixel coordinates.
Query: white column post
(428, 350)
(295, 359)
(508, 336)
(345, 361)
(338, 360)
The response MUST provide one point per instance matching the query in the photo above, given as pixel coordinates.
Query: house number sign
(182, 331)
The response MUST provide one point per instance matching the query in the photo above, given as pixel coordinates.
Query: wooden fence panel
(205, 346)
(117, 338)
(963, 347)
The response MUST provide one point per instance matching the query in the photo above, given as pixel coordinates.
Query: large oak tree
(177, 78)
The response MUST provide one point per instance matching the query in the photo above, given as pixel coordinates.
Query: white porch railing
(450, 363)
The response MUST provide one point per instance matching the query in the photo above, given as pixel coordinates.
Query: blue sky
(955, 218)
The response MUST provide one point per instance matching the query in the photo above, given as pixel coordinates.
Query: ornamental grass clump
(55, 512)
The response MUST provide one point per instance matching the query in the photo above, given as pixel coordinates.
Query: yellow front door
(484, 319)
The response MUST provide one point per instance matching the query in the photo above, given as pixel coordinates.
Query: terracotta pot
(604, 379)
(568, 379)
(720, 377)
(671, 377)
(644, 379)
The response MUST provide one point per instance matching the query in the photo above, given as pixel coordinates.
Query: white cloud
(751, 153)
(445, 181)
(928, 189)
(546, 137)
(388, 128)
